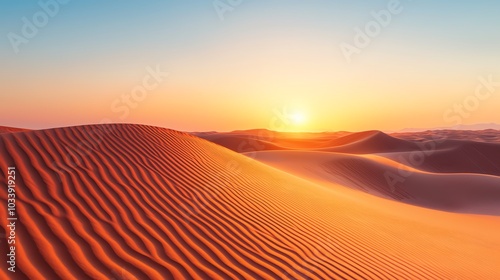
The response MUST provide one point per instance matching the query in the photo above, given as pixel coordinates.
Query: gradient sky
(265, 58)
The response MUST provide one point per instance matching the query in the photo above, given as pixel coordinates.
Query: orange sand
(141, 202)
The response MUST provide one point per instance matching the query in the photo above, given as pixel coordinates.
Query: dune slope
(443, 156)
(140, 202)
(457, 192)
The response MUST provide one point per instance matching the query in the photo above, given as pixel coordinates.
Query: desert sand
(142, 202)
(7, 129)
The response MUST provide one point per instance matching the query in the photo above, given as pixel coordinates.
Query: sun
(298, 118)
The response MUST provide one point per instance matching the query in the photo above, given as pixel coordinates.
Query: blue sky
(288, 47)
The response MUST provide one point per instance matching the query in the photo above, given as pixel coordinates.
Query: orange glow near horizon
(235, 74)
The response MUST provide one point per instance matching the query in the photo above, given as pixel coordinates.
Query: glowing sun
(298, 118)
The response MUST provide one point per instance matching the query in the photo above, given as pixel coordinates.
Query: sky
(239, 64)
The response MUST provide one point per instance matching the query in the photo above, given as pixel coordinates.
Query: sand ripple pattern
(140, 202)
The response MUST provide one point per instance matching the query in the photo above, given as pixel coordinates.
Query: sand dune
(140, 202)
(263, 140)
(450, 156)
(241, 144)
(464, 193)
(370, 142)
(487, 135)
(6, 129)
(454, 156)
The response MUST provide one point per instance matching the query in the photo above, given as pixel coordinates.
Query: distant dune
(439, 151)
(486, 135)
(462, 127)
(463, 193)
(141, 202)
(370, 142)
(262, 139)
(454, 156)
(442, 170)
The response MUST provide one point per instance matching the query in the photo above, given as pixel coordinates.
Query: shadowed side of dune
(486, 135)
(357, 143)
(140, 202)
(443, 156)
(346, 142)
(242, 144)
(453, 156)
(462, 193)
(369, 142)
(265, 140)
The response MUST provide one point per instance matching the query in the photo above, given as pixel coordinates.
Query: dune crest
(7, 129)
